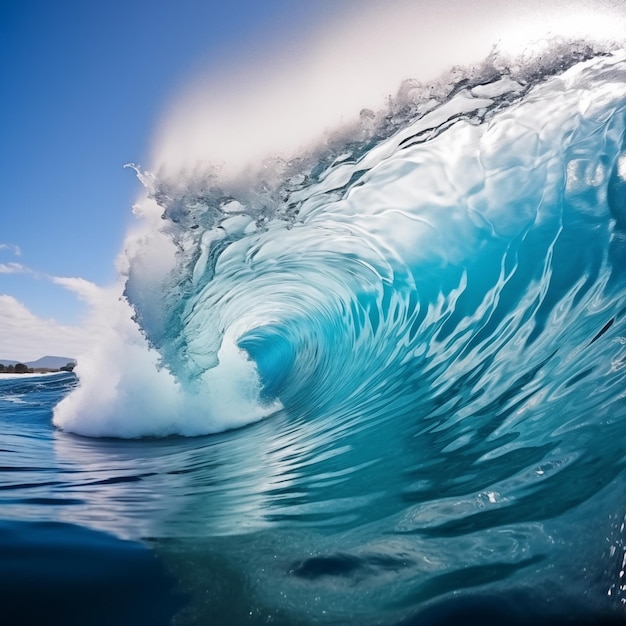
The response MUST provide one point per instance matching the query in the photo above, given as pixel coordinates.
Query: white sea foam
(124, 392)
(28, 376)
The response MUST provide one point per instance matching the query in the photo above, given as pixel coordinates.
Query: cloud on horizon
(26, 337)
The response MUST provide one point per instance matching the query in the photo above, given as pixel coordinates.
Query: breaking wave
(453, 257)
(425, 317)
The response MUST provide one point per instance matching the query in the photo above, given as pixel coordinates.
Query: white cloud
(26, 337)
(87, 291)
(14, 268)
(11, 247)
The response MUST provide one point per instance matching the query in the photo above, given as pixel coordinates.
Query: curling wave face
(431, 318)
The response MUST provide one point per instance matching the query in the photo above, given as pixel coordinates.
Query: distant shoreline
(44, 365)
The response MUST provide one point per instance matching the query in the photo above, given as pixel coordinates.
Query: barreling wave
(430, 314)
(456, 259)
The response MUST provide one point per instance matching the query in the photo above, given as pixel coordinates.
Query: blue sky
(84, 85)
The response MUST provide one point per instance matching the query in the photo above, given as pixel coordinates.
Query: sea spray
(124, 391)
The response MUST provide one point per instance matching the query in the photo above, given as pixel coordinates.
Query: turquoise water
(391, 386)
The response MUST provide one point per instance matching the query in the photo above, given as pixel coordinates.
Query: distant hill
(52, 362)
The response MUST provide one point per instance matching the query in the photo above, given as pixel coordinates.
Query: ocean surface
(383, 383)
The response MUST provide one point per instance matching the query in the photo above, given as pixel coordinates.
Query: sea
(379, 383)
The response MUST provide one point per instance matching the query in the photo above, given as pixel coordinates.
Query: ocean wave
(469, 242)
(411, 338)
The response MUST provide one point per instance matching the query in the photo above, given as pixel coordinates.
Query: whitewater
(377, 381)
